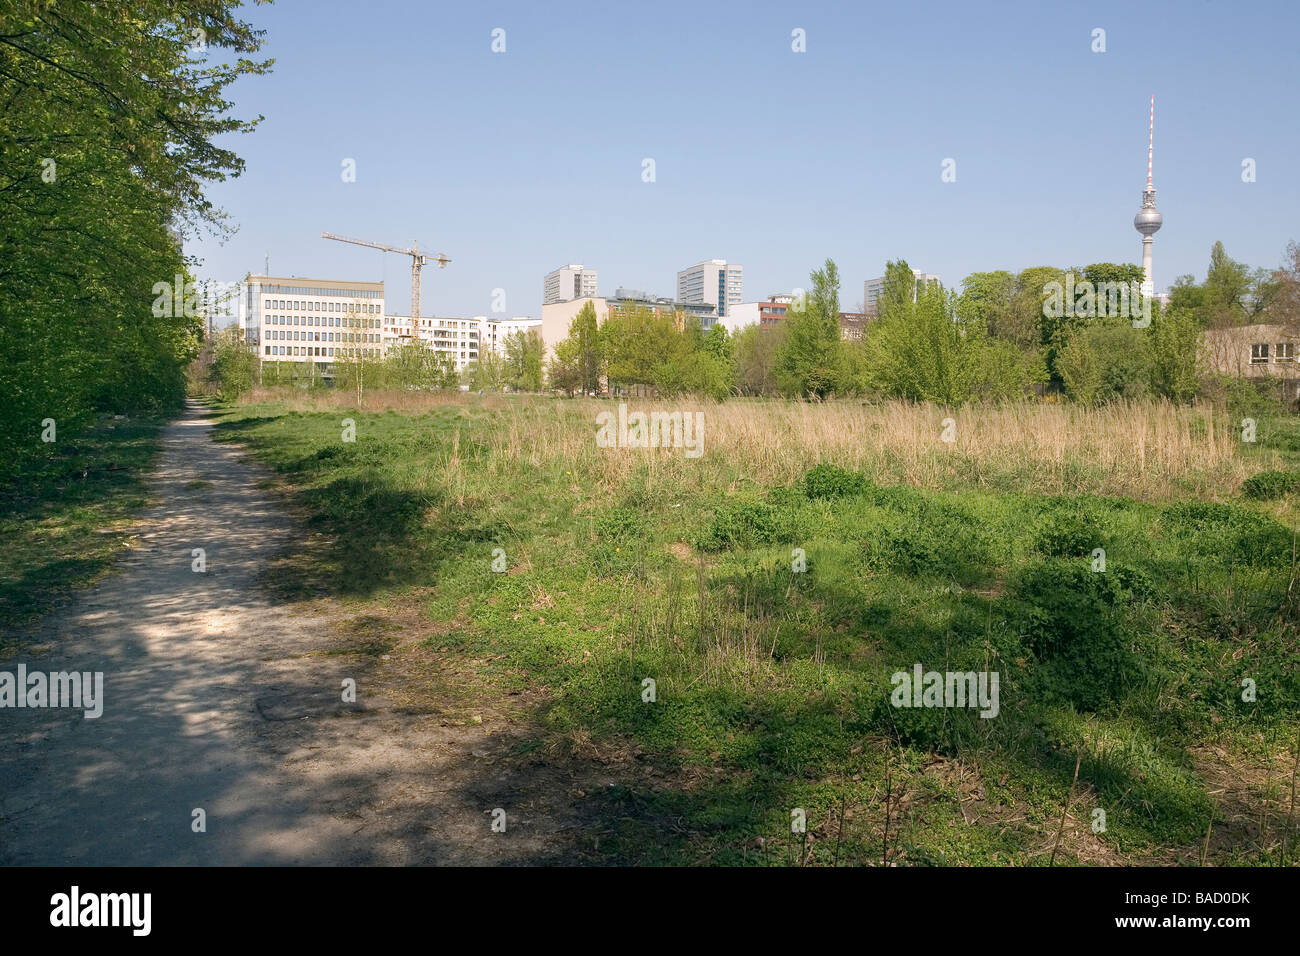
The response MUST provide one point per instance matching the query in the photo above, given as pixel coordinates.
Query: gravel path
(218, 698)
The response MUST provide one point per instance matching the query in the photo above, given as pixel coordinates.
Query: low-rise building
(463, 340)
(766, 313)
(1255, 351)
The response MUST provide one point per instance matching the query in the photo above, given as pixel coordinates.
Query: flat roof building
(291, 319)
(714, 282)
(568, 283)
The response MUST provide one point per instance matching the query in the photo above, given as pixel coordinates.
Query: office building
(290, 319)
(568, 283)
(714, 282)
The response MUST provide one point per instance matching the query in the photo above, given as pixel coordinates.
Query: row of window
(1282, 352)
(312, 290)
(315, 350)
(290, 335)
(333, 320)
(299, 305)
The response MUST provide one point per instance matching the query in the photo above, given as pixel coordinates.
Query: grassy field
(772, 586)
(65, 517)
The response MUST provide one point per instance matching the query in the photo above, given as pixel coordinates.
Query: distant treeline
(1087, 331)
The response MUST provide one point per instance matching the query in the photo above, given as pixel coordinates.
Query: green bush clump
(1229, 533)
(1069, 530)
(746, 524)
(1073, 623)
(828, 481)
(1268, 485)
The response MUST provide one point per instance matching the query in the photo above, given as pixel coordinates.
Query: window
(1284, 352)
(1259, 354)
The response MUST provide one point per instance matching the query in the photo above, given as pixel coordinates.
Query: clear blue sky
(515, 163)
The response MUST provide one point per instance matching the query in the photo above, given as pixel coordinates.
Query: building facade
(1255, 351)
(765, 313)
(290, 319)
(462, 340)
(713, 282)
(568, 283)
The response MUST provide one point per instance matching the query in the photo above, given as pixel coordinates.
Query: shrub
(746, 524)
(1068, 534)
(1073, 624)
(828, 481)
(1268, 485)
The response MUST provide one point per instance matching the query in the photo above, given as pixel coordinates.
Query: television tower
(1148, 221)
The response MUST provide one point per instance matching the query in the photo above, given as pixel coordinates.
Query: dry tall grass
(1148, 450)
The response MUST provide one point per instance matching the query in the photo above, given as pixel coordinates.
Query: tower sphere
(1148, 221)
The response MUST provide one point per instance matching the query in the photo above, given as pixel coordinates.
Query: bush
(1068, 535)
(1268, 485)
(746, 524)
(828, 481)
(1073, 622)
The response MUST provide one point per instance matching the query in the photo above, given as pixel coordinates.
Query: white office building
(568, 283)
(712, 282)
(289, 319)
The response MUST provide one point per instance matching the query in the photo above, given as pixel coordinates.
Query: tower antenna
(1151, 138)
(1148, 220)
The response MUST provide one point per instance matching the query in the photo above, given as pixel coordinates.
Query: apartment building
(568, 283)
(463, 340)
(291, 319)
(873, 289)
(714, 282)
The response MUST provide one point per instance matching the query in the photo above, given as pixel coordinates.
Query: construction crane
(418, 261)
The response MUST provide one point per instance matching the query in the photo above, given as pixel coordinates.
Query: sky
(514, 163)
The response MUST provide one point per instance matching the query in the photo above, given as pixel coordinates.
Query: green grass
(772, 685)
(63, 520)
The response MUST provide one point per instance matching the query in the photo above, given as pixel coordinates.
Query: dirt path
(221, 699)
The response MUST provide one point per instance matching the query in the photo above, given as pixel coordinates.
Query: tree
(1284, 308)
(636, 341)
(355, 351)
(487, 372)
(754, 351)
(107, 139)
(921, 351)
(233, 368)
(1105, 360)
(1175, 354)
(523, 364)
(579, 357)
(809, 361)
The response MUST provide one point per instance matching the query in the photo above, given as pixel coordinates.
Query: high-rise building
(715, 282)
(1148, 221)
(568, 283)
(288, 319)
(873, 289)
